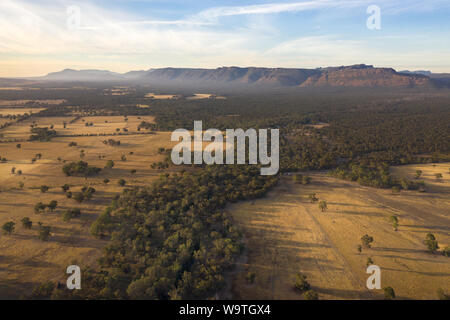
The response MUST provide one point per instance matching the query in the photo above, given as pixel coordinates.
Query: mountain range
(344, 76)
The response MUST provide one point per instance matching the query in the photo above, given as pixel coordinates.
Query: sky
(41, 36)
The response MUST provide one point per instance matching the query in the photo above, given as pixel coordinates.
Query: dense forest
(171, 240)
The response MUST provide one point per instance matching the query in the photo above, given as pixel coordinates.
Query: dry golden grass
(286, 234)
(19, 111)
(101, 125)
(26, 261)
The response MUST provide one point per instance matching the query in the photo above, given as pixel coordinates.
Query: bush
(121, 182)
(80, 168)
(8, 227)
(389, 293)
(71, 213)
(366, 240)
(44, 232)
(311, 295)
(44, 188)
(301, 284)
(65, 187)
(26, 223)
(431, 243)
(39, 207)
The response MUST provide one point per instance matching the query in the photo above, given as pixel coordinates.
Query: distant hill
(345, 76)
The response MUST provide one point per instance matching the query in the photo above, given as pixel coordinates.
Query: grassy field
(100, 125)
(24, 259)
(286, 234)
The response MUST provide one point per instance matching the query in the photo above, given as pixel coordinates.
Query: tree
(65, 187)
(109, 164)
(26, 223)
(44, 232)
(323, 205)
(446, 251)
(359, 248)
(8, 227)
(52, 205)
(442, 295)
(121, 182)
(418, 174)
(389, 293)
(44, 188)
(21, 185)
(106, 181)
(311, 295)
(301, 284)
(438, 176)
(71, 213)
(369, 262)
(13, 170)
(133, 171)
(39, 207)
(431, 243)
(366, 240)
(18, 146)
(394, 221)
(123, 158)
(78, 197)
(312, 197)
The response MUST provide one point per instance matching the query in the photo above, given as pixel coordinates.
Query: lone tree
(13, 170)
(52, 205)
(65, 187)
(121, 182)
(71, 213)
(18, 146)
(44, 232)
(44, 188)
(8, 227)
(312, 197)
(418, 174)
(301, 284)
(389, 293)
(26, 223)
(369, 262)
(109, 164)
(431, 243)
(366, 240)
(394, 221)
(106, 181)
(438, 176)
(39, 207)
(311, 295)
(323, 206)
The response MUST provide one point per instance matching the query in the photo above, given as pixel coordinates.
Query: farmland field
(26, 261)
(286, 234)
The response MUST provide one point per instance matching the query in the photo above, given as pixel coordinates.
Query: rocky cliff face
(346, 76)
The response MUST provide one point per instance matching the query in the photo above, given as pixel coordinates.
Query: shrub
(311, 295)
(26, 223)
(389, 293)
(80, 168)
(71, 213)
(431, 243)
(44, 232)
(44, 188)
(121, 182)
(301, 284)
(366, 240)
(8, 227)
